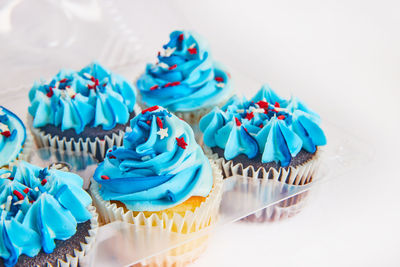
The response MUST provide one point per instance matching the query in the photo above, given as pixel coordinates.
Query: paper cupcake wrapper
(203, 216)
(280, 211)
(98, 148)
(79, 254)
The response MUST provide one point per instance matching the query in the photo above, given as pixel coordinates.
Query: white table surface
(343, 59)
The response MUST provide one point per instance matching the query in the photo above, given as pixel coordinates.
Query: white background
(340, 57)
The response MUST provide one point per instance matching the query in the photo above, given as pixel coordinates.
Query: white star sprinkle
(4, 127)
(169, 51)
(163, 65)
(220, 85)
(163, 132)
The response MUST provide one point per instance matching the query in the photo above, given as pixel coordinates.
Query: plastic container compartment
(36, 49)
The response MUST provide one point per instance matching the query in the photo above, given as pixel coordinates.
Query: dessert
(186, 80)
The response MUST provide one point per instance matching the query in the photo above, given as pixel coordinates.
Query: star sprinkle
(169, 51)
(249, 116)
(163, 132)
(181, 142)
(262, 104)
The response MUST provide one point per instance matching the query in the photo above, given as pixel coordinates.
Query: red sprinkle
(249, 116)
(175, 83)
(261, 125)
(238, 123)
(44, 181)
(73, 97)
(112, 157)
(219, 79)
(64, 80)
(173, 67)
(192, 51)
(6, 133)
(104, 84)
(281, 117)
(159, 53)
(11, 178)
(26, 190)
(105, 177)
(277, 105)
(154, 87)
(50, 93)
(181, 142)
(150, 109)
(262, 104)
(159, 123)
(148, 122)
(180, 37)
(18, 194)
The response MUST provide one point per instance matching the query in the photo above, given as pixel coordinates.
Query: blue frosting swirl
(12, 136)
(186, 77)
(160, 165)
(37, 207)
(266, 124)
(91, 97)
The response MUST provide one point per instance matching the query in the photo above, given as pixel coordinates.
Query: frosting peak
(186, 77)
(12, 136)
(267, 124)
(160, 165)
(91, 97)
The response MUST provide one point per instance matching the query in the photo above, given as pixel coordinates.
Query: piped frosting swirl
(160, 165)
(266, 124)
(38, 206)
(12, 136)
(186, 77)
(91, 97)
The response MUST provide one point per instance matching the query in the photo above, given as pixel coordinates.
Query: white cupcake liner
(145, 229)
(261, 184)
(98, 147)
(79, 254)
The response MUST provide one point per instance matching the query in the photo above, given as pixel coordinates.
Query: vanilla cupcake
(15, 142)
(186, 80)
(46, 217)
(267, 138)
(160, 178)
(85, 111)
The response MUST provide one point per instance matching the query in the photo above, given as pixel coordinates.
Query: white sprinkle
(168, 51)
(5, 175)
(57, 84)
(240, 110)
(163, 132)
(8, 203)
(87, 75)
(258, 110)
(1, 112)
(146, 158)
(36, 189)
(18, 202)
(3, 206)
(192, 46)
(4, 127)
(163, 65)
(220, 85)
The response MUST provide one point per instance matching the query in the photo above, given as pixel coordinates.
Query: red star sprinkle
(219, 79)
(238, 123)
(105, 177)
(44, 181)
(249, 116)
(150, 109)
(50, 93)
(192, 51)
(172, 67)
(181, 142)
(262, 104)
(159, 123)
(64, 80)
(18, 194)
(180, 37)
(154, 87)
(277, 105)
(281, 117)
(26, 190)
(6, 133)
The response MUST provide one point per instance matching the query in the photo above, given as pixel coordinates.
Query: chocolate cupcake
(46, 217)
(186, 80)
(85, 111)
(266, 137)
(15, 141)
(160, 178)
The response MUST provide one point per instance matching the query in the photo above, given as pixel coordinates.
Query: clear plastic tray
(99, 33)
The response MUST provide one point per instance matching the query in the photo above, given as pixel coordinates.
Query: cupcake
(267, 137)
(185, 80)
(15, 142)
(46, 217)
(85, 111)
(159, 178)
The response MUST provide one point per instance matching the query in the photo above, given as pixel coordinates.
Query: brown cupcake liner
(145, 230)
